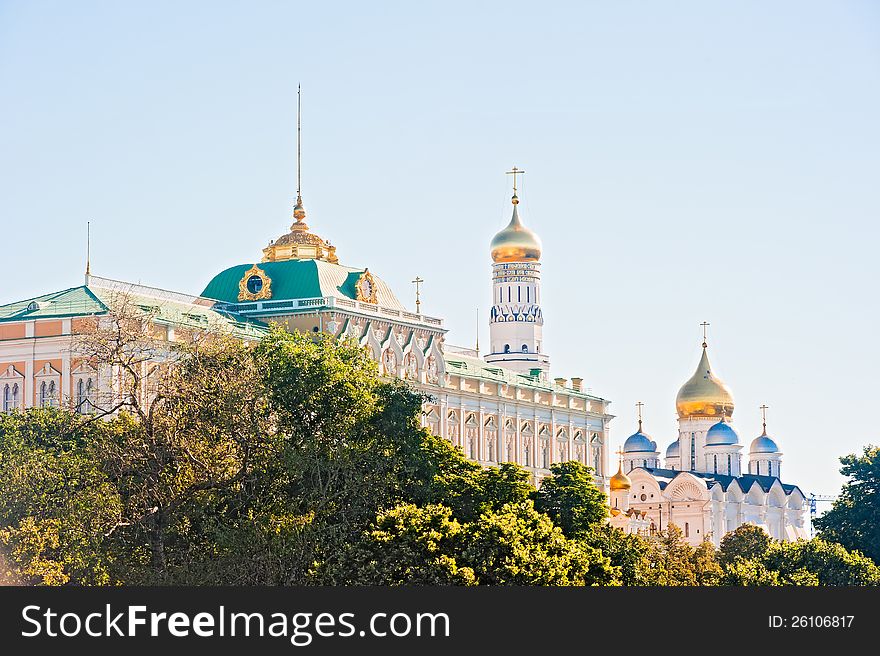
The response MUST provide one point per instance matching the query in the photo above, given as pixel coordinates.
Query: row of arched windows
(85, 395)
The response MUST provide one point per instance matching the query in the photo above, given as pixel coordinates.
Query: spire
(478, 332)
(299, 212)
(88, 251)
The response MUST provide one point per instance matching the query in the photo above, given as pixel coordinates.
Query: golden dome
(704, 395)
(620, 481)
(516, 243)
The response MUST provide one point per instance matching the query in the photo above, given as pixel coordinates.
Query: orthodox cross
(515, 172)
(763, 409)
(705, 325)
(619, 453)
(639, 406)
(418, 283)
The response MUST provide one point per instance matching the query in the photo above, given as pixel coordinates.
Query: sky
(685, 162)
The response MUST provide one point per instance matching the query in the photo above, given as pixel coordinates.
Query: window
(507, 348)
(729, 465)
(7, 398)
(525, 348)
(545, 456)
(716, 463)
(85, 395)
(44, 394)
(254, 284)
(687, 530)
(693, 453)
(769, 468)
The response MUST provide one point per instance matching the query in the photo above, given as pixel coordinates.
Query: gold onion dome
(516, 243)
(704, 394)
(620, 481)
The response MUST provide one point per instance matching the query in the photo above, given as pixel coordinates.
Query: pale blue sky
(686, 161)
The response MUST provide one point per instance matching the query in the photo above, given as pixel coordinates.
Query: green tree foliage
(292, 462)
(56, 505)
(570, 498)
(408, 545)
(854, 519)
(831, 564)
(517, 545)
(746, 542)
(628, 553)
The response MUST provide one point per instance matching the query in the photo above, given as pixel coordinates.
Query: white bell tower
(516, 321)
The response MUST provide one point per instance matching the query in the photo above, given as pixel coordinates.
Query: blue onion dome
(639, 442)
(764, 444)
(673, 450)
(721, 434)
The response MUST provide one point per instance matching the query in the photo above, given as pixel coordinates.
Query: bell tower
(515, 320)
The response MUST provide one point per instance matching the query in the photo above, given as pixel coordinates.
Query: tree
(854, 519)
(746, 542)
(407, 545)
(57, 507)
(746, 572)
(628, 553)
(570, 498)
(672, 559)
(705, 565)
(832, 564)
(519, 546)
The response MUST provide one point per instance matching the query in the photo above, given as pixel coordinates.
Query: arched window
(7, 398)
(44, 394)
(687, 530)
(769, 468)
(507, 348)
(729, 465)
(525, 348)
(53, 395)
(716, 463)
(693, 452)
(15, 395)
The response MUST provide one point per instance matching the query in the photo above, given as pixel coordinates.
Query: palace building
(501, 407)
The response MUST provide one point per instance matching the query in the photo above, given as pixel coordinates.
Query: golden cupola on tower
(704, 394)
(516, 243)
(619, 481)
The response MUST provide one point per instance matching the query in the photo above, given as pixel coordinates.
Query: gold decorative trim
(366, 288)
(265, 291)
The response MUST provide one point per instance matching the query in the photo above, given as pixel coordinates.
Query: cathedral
(503, 406)
(702, 488)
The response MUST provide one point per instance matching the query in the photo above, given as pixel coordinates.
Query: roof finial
(418, 283)
(515, 172)
(764, 419)
(88, 250)
(705, 325)
(478, 332)
(639, 406)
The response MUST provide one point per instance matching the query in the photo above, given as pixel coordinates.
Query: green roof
(457, 364)
(297, 279)
(73, 302)
(97, 299)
